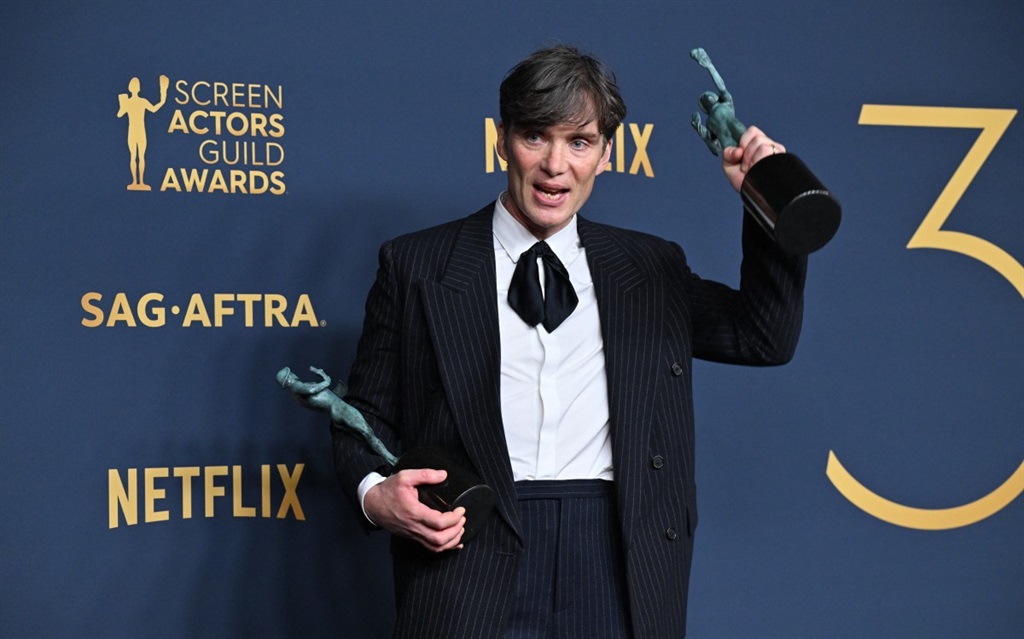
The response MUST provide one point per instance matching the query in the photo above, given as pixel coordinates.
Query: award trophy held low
(782, 194)
(461, 488)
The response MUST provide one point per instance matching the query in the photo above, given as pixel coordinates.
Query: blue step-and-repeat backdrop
(156, 482)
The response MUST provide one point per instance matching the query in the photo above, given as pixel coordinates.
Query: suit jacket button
(677, 370)
(657, 462)
(671, 534)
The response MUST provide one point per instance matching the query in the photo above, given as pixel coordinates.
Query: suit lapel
(462, 314)
(630, 329)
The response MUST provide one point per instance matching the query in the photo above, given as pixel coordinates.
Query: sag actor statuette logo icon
(135, 107)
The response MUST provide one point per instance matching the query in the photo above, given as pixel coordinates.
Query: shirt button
(671, 534)
(677, 370)
(657, 462)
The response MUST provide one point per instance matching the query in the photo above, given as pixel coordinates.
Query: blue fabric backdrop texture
(155, 480)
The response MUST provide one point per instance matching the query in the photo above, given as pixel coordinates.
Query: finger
(748, 136)
(417, 476)
(749, 151)
(455, 539)
(446, 539)
(755, 150)
(426, 530)
(765, 148)
(732, 154)
(437, 520)
(756, 146)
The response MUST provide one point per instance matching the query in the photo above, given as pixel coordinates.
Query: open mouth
(550, 194)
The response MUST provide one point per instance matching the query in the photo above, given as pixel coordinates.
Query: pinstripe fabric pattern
(573, 578)
(427, 371)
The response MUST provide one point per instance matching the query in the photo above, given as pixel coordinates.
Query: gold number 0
(993, 123)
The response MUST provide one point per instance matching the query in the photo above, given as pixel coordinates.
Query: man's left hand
(754, 145)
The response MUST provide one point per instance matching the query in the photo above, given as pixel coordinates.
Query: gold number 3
(993, 123)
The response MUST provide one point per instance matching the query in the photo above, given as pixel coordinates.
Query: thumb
(429, 476)
(732, 154)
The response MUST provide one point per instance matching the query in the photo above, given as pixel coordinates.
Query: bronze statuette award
(461, 488)
(782, 194)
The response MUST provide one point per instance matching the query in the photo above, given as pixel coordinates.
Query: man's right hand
(394, 505)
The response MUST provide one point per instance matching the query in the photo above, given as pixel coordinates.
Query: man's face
(551, 172)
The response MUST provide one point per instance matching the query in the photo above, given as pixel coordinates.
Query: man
(573, 404)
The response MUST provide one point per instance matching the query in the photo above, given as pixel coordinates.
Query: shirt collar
(516, 240)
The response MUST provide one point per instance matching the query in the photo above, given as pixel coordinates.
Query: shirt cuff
(368, 482)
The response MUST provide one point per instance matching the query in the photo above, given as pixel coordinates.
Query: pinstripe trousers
(571, 582)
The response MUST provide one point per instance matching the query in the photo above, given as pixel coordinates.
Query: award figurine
(460, 488)
(780, 192)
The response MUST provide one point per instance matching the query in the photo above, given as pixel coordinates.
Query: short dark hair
(561, 84)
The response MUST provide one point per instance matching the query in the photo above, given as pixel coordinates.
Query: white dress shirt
(554, 391)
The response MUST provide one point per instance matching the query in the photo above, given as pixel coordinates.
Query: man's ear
(605, 157)
(500, 146)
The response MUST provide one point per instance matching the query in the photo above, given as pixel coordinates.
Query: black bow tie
(524, 295)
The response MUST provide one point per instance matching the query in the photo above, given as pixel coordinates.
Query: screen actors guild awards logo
(237, 128)
(135, 107)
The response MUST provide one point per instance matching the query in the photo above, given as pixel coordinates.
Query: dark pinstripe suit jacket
(427, 371)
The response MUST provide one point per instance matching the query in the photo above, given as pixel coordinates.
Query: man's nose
(555, 159)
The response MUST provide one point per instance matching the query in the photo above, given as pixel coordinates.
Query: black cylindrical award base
(790, 204)
(461, 488)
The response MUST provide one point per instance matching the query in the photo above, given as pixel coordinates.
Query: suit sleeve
(760, 323)
(374, 383)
